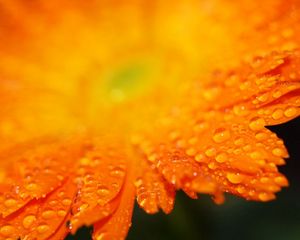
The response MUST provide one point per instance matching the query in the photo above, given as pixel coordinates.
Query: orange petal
(116, 226)
(36, 171)
(99, 175)
(153, 191)
(39, 219)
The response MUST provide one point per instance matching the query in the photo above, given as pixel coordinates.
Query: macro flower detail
(104, 103)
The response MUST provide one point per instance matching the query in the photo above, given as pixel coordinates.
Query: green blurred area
(236, 219)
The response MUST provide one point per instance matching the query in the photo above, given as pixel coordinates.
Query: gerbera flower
(103, 102)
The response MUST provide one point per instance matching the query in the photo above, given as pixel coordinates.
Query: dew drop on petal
(261, 136)
(61, 213)
(61, 194)
(28, 221)
(235, 178)
(277, 114)
(278, 152)
(257, 124)
(103, 191)
(152, 158)
(263, 97)
(210, 152)
(138, 182)
(191, 152)
(221, 158)
(290, 112)
(42, 228)
(266, 196)
(277, 94)
(53, 203)
(265, 180)
(221, 135)
(282, 181)
(241, 189)
(47, 214)
(7, 230)
(212, 166)
(117, 172)
(10, 202)
(200, 158)
(247, 148)
(256, 155)
(239, 142)
(66, 202)
(31, 187)
(240, 110)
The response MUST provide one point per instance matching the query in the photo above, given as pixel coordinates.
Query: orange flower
(103, 102)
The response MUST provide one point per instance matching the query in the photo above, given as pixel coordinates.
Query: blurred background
(236, 218)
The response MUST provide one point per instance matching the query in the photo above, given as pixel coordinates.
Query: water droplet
(201, 126)
(67, 202)
(261, 136)
(277, 94)
(138, 182)
(265, 180)
(60, 177)
(61, 194)
(210, 152)
(252, 193)
(10, 202)
(221, 158)
(278, 152)
(245, 85)
(239, 142)
(256, 155)
(212, 166)
(241, 189)
(42, 228)
(103, 191)
(266, 196)
(7, 230)
(48, 214)
(191, 152)
(32, 187)
(263, 98)
(257, 124)
(152, 157)
(200, 158)
(117, 172)
(221, 135)
(61, 213)
(240, 110)
(277, 114)
(290, 112)
(235, 178)
(237, 151)
(281, 181)
(247, 148)
(53, 203)
(83, 207)
(28, 221)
